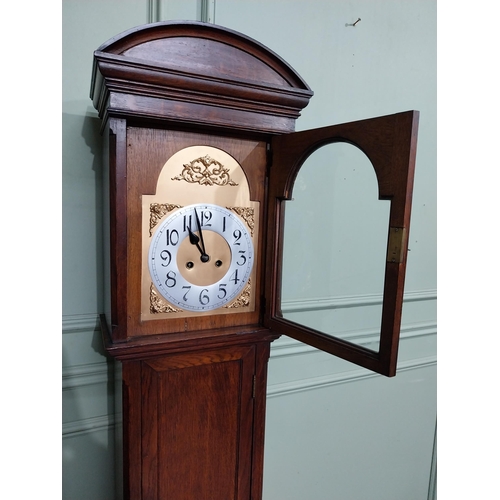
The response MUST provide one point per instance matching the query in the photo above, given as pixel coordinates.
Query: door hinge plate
(396, 244)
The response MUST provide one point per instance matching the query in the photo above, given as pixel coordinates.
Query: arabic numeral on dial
(204, 298)
(166, 257)
(242, 260)
(237, 236)
(172, 236)
(188, 222)
(234, 277)
(171, 281)
(206, 217)
(222, 291)
(187, 288)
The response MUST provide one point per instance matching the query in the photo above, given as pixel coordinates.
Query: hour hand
(194, 240)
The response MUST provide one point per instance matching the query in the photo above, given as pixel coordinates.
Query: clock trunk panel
(166, 171)
(197, 424)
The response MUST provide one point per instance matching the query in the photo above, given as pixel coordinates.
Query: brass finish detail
(157, 304)
(247, 214)
(157, 211)
(244, 299)
(204, 273)
(395, 247)
(205, 171)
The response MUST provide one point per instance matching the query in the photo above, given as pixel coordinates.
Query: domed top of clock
(197, 73)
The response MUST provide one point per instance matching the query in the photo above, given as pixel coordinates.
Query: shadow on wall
(88, 445)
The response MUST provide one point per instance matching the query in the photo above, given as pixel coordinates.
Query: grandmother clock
(200, 155)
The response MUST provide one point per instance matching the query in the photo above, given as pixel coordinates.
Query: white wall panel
(360, 438)
(178, 9)
(88, 466)
(87, 380)
(87, 412)
(86, 25)
(385, 64)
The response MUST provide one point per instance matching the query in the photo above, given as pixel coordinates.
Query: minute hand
(200, 231)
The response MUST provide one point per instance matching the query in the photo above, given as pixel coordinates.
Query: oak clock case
(221, 133)
(200, 158)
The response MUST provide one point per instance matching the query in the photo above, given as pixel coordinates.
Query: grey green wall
(334, 431)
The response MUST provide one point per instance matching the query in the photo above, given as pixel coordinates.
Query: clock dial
(200, 198)
(201, 257)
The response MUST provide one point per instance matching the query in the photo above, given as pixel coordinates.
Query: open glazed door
(338, 261)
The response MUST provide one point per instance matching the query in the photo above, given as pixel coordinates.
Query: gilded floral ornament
(205, 171)
(244, 299)
(247, 214)
(157, 304)
(157, 211)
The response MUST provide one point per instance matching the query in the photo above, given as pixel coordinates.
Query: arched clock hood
(219, 76)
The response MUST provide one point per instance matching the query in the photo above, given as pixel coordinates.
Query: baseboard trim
(76, 323)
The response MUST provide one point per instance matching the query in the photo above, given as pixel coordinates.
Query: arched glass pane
(335, 244)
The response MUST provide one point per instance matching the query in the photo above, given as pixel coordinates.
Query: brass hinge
(396, 244)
